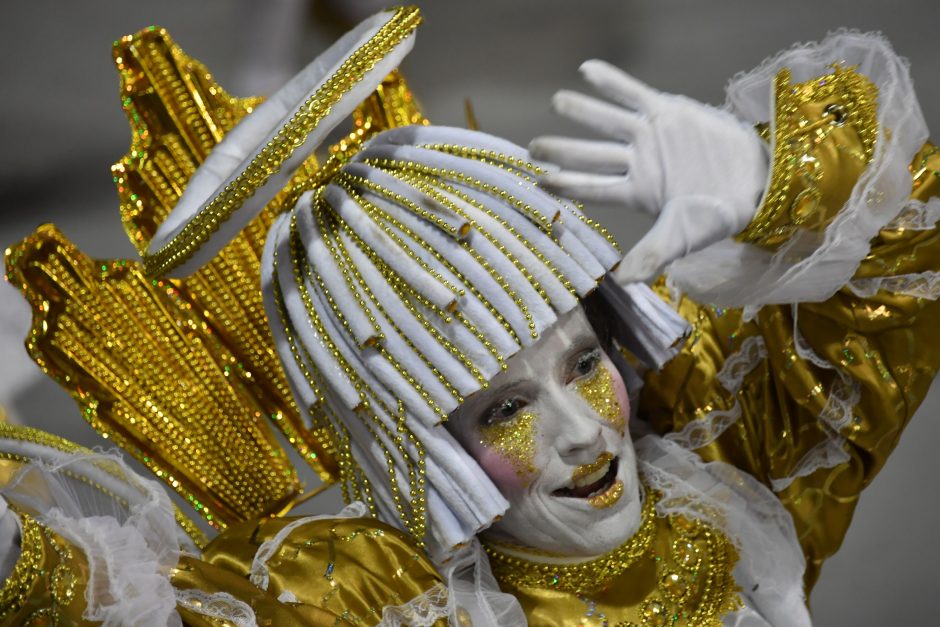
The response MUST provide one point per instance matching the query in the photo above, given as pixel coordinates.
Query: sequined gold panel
(152, 371)
(177, 113)
(824, 135)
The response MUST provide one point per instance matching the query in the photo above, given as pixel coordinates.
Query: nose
(577, 434)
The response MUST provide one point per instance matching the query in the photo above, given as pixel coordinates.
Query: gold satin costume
(100, 325)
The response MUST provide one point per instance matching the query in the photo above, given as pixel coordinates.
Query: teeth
(594, 476)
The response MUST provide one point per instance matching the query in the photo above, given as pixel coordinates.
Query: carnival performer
(527, 432)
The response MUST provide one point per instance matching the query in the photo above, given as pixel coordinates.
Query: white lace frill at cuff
(128, 534)
(771, 564)
(813, 266)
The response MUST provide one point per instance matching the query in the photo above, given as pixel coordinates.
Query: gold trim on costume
(579, 577)
(817, 124)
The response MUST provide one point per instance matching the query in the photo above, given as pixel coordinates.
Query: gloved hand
(700, 169)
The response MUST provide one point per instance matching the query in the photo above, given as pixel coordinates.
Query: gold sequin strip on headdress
(273, 155)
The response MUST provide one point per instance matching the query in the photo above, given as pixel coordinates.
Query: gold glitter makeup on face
(598, 391)
(514, 439)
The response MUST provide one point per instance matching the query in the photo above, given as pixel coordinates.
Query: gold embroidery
(22, 580)
(673, 572)
(824, 135)
(580, 577)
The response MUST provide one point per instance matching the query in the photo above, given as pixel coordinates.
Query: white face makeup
(551, 433)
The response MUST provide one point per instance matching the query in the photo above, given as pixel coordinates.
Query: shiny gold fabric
(683, 578)
(344, 569)
(338, 571)
(148, 365)
(824, 136)
(47, 585)
(886, 344)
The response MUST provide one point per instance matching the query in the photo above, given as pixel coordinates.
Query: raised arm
(822, 343)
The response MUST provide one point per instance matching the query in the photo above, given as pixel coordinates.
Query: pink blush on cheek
(503, 471)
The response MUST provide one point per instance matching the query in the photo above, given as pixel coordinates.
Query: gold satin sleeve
(336, 571)
(340, 571)
(883, 351)
(47, 584)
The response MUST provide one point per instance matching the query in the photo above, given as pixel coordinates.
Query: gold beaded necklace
(579, 577)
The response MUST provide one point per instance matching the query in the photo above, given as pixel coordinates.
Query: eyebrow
(581, 342)
(479, 401)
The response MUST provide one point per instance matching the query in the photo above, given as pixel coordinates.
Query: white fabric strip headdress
(403, 286)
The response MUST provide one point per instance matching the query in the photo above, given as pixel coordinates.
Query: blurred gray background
(61, 127)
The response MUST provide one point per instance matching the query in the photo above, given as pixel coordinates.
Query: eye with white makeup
(503, 411)
(585, 364)
(582, 365)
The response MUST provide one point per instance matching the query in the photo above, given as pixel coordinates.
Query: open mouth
(599, 481)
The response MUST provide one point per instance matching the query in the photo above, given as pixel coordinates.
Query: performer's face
(551, 432)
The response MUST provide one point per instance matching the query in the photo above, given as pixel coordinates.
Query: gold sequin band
(15, 591)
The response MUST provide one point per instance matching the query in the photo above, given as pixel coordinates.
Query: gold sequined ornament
(672, 572)
(100, 326)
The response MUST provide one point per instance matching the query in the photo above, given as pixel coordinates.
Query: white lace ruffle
(917, 216)
(220, 605)
(473, 592)
(812, 266)
(837, 413)
(469, 595)
(703, 431)
(259, 575)
(921, 285)
(127, 533)
(771, 565)
(422, 611)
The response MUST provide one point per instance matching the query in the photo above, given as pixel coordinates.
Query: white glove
(700, 169)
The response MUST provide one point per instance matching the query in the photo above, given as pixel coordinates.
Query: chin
(576, 527)
(601, 530)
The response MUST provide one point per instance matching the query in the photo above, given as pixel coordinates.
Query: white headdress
(403, 281)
